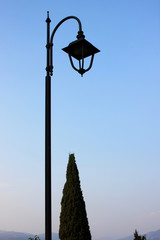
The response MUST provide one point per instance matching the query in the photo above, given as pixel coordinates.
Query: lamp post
(78, 49)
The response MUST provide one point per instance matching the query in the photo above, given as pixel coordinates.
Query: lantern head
(79, 50)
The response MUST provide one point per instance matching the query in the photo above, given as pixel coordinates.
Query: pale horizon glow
(109, 118)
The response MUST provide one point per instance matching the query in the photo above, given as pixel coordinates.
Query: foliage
(34, 238)
(73, 217)
(138, 237)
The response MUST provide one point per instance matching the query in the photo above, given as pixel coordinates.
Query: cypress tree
(73, 218)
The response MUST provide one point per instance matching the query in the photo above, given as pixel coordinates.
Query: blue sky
(109, 118)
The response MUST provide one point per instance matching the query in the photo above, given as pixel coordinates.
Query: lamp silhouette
(79, 49)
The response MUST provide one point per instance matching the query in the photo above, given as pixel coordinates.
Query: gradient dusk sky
(110, 118)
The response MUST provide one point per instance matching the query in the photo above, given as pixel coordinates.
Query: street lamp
(79, 49)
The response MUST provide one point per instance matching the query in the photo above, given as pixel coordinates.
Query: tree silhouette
(138, 237)
(34, 238)
(73, 218)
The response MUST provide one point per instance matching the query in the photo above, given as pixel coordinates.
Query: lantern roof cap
(80, 49)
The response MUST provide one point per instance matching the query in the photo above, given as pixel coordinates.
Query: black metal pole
(48, 209)
(49, 70)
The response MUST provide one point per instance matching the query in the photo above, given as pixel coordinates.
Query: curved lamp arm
(80, 35)
(62, 21)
